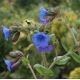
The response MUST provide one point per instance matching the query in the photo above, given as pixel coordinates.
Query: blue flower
(42, 12)
(41, 39)
(46, 49)
(7, 33)
(9, 64)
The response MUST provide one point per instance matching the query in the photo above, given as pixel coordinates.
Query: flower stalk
(44, 60)
(54, 62)
(32, 71)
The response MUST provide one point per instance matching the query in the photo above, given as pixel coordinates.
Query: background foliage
(16, 11)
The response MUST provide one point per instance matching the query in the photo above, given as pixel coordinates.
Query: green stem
(54, 62)
(33, 73)
(44, 60)
(14, 46)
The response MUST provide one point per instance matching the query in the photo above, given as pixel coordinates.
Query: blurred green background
(13, 11)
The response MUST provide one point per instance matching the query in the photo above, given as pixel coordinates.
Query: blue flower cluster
(11, 66)
(41, 41)
(7, 34)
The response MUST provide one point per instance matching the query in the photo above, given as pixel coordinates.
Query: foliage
(60, 53)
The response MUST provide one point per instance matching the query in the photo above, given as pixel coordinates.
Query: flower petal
(48, 37)
(9, 64)
(42, 12)
(44, 21)
(46, 49)
(7, 33)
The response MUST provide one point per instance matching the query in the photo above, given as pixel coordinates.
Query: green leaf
(64, 45)
(61, 60)
(65, 48)
(74, 31)
(76, 57)
(43, 70)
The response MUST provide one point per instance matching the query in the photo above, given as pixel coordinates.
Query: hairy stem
(33, 73)
(44, 60)
(54, 62)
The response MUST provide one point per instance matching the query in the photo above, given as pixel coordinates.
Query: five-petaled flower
(7, 33)
(41, 39)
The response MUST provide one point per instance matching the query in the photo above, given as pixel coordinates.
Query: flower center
(41, 37)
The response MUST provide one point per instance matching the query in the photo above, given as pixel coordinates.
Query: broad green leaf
(43, 70)
(76, 57)
(61, 60)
